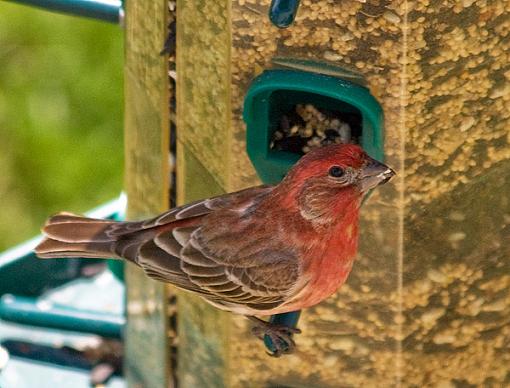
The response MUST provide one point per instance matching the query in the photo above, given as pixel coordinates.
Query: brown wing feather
(206, 247)
(205, 206)
(220, 263)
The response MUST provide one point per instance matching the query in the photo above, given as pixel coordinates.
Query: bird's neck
(323, 205)
(329, 215)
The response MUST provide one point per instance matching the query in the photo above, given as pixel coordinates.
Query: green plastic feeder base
(24, 280)
(30, 311)
(278, 91)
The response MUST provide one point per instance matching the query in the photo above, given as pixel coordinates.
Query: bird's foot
(280, 336)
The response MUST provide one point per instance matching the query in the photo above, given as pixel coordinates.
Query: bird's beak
(373, 174)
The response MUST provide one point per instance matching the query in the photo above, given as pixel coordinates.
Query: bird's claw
(279, 335)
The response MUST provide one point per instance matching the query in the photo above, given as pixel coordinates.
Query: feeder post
(147, 185)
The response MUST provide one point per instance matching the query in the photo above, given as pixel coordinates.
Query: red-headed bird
(260, 251)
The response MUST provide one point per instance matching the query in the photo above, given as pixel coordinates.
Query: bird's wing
(219, 248)
(259, 278)
(240, 199)
(226, 256)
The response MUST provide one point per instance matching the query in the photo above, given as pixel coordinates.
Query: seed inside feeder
(308, 127)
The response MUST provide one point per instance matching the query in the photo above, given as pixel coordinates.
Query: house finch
(261, 251)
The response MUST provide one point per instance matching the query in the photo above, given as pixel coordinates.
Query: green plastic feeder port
(277, 92)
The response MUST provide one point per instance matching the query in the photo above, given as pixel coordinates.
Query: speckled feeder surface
(427, 303)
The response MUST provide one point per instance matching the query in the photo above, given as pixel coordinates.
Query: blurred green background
(60, 117)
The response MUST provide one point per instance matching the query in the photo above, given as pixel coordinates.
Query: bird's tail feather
(69, 235)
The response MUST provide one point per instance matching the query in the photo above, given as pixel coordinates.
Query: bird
(256, 252)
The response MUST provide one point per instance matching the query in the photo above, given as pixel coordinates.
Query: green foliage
(60, 117)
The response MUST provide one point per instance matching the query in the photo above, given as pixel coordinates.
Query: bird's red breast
(327, 256)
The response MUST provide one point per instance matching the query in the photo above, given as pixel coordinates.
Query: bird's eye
(336, 171)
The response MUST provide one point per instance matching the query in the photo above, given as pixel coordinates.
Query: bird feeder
(426, 288)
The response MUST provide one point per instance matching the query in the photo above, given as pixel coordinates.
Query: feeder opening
(300, 122)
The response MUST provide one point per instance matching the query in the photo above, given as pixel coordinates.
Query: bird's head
(329, 179)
